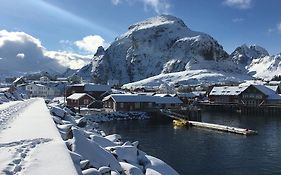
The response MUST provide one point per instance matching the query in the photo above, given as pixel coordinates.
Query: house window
(137, 105)
(121, 105)
(86, 101)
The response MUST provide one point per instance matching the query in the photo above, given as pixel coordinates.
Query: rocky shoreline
(95, 153)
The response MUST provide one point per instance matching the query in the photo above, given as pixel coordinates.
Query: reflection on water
(201, 151)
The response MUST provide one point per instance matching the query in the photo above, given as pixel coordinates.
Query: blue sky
(60, 25)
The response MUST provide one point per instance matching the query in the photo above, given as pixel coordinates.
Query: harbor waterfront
(201, 151)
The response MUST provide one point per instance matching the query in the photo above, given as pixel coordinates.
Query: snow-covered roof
(274, 88)
(129, 98)
(271, 94)
(162, 95)
(274, 82)
(167, 100)
(96, 87)
(77, 96)
(142, 98)
(227, 90)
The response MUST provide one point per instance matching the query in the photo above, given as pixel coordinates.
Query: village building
(39, 90)
(258, 95)
(128, 102)
(135, 102)
(168, 102)
(94, 90)
(79, 100)
(19, 81)
(226, 94)
(189, 97)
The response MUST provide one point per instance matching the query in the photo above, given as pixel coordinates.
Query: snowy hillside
(192, 77)
(266, 67)
(162, 44)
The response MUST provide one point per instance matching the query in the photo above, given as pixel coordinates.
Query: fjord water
(201, 151)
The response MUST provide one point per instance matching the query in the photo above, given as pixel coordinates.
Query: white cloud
(21, 52)
(20, 55)
(116, 2)
(241, 4)
(279, 27)
(71, 60)
(237, 20)
(159, 6)
(91, 43)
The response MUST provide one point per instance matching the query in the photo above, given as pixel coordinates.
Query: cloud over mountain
(21, 52)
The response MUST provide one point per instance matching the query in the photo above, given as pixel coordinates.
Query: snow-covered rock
(266, 67)
(93, 152)
(56, 111)
(157, 166)
(162, 44)
(91, 171)
(245, 54)
(130, 169)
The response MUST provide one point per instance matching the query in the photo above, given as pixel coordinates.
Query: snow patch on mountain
(190, 77)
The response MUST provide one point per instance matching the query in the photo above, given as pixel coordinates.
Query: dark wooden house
(134, 102)
(226, 94)
(79, 100)
(257, 95)
(94, 90)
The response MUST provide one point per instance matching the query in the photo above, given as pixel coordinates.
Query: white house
(39, 90)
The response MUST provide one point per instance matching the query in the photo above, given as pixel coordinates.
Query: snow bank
(94, 153)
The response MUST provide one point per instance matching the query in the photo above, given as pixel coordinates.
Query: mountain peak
(245, 54)
(157, 21)
(100, 51)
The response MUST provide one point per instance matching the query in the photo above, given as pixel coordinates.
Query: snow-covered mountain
(266, 67)
(257, 61)
(158, 45)
(244, 54)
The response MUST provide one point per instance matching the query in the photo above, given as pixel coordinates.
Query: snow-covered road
(30, 142)
(9, 111)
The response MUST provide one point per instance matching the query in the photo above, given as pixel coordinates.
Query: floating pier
(180, 120)
(223, 128)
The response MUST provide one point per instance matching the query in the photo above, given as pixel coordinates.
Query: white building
(39, 90)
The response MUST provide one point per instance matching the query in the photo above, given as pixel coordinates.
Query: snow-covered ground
(30, 143)
(191, 77)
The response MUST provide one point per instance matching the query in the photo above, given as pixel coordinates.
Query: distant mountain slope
(257, 61)
(162, 44)
(266, 67)
(245, 54)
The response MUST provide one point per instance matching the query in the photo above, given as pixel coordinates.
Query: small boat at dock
(180, 122)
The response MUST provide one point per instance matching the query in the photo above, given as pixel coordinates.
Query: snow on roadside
(32, 144)
(95, 153)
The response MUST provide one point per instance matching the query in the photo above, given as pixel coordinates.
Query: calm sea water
(201, 151)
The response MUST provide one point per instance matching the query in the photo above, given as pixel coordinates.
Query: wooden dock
(183, 119)
(224, 128)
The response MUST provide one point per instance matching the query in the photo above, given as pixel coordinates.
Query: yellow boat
(180, 123)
